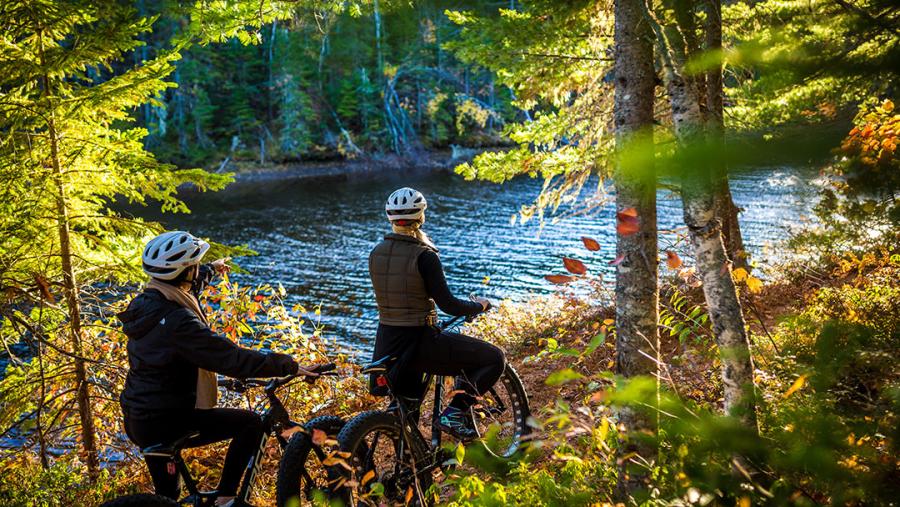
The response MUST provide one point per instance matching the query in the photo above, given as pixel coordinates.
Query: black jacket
(167, 343)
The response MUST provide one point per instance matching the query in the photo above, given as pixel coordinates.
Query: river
(314, 237)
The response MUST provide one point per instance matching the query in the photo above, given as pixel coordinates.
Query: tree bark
(726, 210)
(697, 196)
(70, 290)
(637, 293)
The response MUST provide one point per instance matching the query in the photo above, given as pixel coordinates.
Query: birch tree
(677, 46)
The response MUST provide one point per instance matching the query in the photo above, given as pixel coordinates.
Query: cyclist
(408, 279)
(170, 390)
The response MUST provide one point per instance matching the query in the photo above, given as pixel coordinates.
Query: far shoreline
(361, 168)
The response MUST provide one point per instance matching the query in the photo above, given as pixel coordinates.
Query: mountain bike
(298, 479)
(392, 461)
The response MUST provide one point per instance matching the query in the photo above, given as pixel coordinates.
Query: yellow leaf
(888, 105)
(604, 428)
(368, 477)
(743, 502)
(460, 453)
(409, 495)
(739, 274)
(609, 322)
(797, 385)
(754, 284)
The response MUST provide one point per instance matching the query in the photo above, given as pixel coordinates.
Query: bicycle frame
(275, 420)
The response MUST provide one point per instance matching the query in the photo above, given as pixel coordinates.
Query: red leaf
(673, 260)
(574, 266)
(560, 279)
(618, 260)
(44, 288)
(627, 222)
(590, 243)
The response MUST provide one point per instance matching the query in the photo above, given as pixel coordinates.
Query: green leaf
(562, 376)
(460, 453)
(595, 343)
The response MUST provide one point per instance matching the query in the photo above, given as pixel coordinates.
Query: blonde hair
(413, 229)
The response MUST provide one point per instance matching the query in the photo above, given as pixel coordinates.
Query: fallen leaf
(590, 243)
(574, 266)
(368, 477)
(409, 495)
(796, 386)
(673, 260)
(560, 279)
(618, 260)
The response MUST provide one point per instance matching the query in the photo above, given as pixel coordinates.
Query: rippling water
(314, 238)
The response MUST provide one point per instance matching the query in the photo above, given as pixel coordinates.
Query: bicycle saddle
(380, 366)
(169, 449)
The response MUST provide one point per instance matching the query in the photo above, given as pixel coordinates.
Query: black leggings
(476, 364)
(243, 427)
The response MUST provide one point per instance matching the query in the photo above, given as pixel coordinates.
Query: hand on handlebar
(308, 373)
(485, 303)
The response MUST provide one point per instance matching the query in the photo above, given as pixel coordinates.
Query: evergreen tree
(67, 152)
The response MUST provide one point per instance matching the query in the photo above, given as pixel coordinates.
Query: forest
(684, 214)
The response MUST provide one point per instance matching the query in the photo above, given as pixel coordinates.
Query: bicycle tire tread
(294, 457)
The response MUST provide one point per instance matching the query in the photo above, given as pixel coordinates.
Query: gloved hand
(485, 303)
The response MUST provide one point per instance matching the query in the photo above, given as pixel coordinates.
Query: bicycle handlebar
(241, 385)
(458, 319)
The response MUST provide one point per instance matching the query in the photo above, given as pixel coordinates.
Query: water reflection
(314, 237)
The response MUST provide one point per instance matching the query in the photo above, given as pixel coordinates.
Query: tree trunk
(697, 196)
(724, 203)
(637, 293)
(70, 290)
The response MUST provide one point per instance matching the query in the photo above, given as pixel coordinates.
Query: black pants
(476, 364)
(243, 427)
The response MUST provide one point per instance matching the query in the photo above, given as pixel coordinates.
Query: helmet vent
(175, 257)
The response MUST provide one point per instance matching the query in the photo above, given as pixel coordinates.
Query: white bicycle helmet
(169, 254)
(405, 204)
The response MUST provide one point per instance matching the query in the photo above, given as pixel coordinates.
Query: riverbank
(563, 346)
(359, 168)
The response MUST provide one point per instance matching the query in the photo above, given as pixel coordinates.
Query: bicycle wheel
(301, 473)
(501, 415)
(382, 467)
(141, 500)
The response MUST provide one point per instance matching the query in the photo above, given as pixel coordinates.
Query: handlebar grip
(322, 368)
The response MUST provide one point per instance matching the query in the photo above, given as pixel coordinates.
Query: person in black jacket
(170, 388)
(409, 280)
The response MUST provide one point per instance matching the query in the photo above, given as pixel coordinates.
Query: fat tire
(293, 459)
(518, 391)
(141, 500)
(349, 438)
